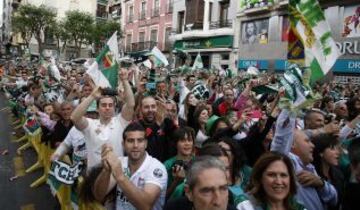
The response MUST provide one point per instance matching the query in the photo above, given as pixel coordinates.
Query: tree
(61, 36)
(78, 27)
(32, 20)
(103, 30)
(21, 26)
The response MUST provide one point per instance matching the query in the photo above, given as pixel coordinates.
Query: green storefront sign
(205, 43)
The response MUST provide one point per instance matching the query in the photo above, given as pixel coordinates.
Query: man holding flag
(109, 127)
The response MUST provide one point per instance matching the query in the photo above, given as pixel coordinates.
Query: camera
(330, 117)
(125, 64)
(180, 163)
(109, 92)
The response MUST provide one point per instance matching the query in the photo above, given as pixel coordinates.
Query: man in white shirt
(140, 179)
(109, 127)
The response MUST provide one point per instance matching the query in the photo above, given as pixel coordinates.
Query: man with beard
(148, 110)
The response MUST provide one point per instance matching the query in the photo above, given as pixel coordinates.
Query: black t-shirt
(155, 147)
(183, 203)
(60, 132)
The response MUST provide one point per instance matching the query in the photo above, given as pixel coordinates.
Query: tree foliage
(78, 28)
(103, 30)
(32, 20)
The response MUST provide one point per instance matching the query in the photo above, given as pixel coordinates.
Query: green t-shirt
(169, 165)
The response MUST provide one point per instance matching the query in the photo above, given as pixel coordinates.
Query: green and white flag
(309, 24)
(54, 70)
(198, 64)
(160, 58)
(104, 70)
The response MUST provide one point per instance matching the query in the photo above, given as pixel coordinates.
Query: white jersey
(76, 140)
(97, 134)
(151, 171)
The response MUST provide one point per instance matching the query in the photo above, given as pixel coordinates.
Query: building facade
(206, 27)
(147, 23)
(61, 7)
(5, 24)
(261, 36)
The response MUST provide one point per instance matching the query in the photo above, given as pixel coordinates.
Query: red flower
(148, 132)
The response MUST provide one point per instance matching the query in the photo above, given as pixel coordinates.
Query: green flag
(310, 26)
(104, 71)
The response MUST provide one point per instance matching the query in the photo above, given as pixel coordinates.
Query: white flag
(198, 64)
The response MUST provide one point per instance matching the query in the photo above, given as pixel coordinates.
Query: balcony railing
(130, 18)
(142, 15)
(193, 26)
(220, 24)
(169, 7)
(141, 46)
(155, 12)
(250, 4)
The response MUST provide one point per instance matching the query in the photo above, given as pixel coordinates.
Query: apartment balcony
(141, 46)
(155, 12)
(142, 15)
(257, 3)
(219, 28)
(169, 8)
(116, 14)
(220, 24)
(194, 26)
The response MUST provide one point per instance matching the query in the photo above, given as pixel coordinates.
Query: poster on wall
(255, 31)
(351, 22)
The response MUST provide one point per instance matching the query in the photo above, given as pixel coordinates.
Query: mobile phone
(150, 86)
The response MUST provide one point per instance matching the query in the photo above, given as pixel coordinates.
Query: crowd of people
(199, 140)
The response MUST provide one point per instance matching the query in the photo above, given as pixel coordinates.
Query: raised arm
(77, 115)
(284, 133)
(127, 111)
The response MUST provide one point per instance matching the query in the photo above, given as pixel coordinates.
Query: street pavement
(17, 194)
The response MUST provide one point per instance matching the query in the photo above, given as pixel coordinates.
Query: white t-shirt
(76, 140)
(245, 205)
(200, 138)
(97, 134)
(151, 171)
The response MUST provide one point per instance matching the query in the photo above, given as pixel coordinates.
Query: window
(131, 14)
(224, 56)
(153, 35)
(142, 36)
(210, 10)
(143, 10)
(170, 6)
(156, 8)
(101, 11)
(167, 36)
(224, 12)
(181, 19)
(128, 42)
